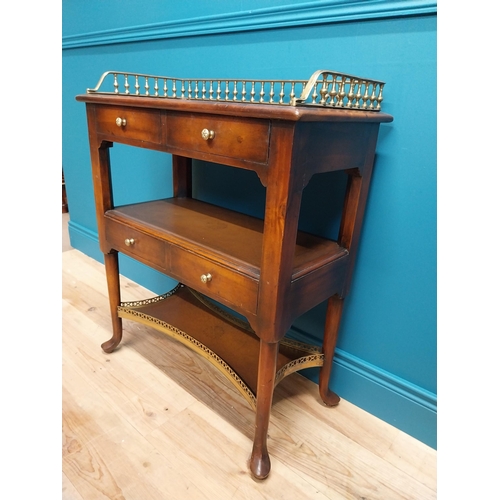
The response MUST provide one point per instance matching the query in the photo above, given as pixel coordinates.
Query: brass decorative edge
(301, 346)
(193, 344)
(325, 88)
(129, 310)
(310, 361)
(314, 357)
(152, 300)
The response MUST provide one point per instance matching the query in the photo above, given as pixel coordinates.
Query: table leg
(333, 315)
(113, 279)
(260, 464)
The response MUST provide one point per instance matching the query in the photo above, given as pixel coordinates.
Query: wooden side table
(266, 270)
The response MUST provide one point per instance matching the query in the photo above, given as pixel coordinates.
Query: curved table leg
(333, 315)
(113, 279)
(260, 463)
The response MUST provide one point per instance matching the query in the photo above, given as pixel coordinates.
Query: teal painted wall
(386, 358)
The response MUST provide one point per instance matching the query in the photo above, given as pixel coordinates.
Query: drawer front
(136, 244)
(218, 135)
(214, 280)
(129, 123)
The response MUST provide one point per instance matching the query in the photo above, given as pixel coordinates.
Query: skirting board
(396, 401)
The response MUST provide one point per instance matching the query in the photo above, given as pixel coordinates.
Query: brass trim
(313, 356)
(325, 88)
(152, 300)
(310, 361)
(194, 345)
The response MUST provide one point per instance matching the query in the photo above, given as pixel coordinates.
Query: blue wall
(386, 358)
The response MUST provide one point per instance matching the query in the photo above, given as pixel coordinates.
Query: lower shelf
(226, 341)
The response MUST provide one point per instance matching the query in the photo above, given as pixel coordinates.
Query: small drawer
(214, 280)
(219, 135)
(129, 123)
(136, 244)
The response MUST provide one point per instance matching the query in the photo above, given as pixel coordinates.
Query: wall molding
(302, 14)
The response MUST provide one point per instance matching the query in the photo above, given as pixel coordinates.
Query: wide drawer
(129, 123)
(214, 280)
(137, 244)
(231, 137)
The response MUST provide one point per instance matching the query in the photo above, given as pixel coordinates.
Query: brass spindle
(323, 92)
(262, 92)
(380, 97)
(127, 91)
(282, 92)
(292, 93)
(115, 83)
(271, 93)
(350, 94)
(342, 92)
(372, 97)
(358, 93)
(334, 92)
(315, 93)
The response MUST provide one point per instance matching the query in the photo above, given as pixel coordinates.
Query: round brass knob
(205, 278)
(129, 241)
(207, 134)
(121, 122)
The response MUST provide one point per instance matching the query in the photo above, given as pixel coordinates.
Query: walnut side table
(266, 270)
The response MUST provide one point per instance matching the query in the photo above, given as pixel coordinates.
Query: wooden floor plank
(155, 421)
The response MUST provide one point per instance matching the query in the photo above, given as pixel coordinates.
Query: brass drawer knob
(121, 122)
(206, 278)
(207, 134)
(129, 241)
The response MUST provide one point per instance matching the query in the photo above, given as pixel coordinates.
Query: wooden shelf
(221, 338)
(221, 234)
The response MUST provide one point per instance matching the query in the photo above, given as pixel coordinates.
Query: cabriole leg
(113, 279)
(260, 464)
(333, 315)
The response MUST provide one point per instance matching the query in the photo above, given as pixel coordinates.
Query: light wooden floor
(155, 421)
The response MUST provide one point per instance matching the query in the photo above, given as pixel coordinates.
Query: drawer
(219, 135)
(129, 123)
(136, 244)
(214, 280)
